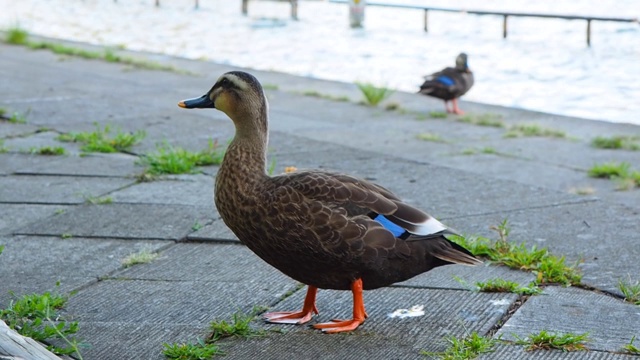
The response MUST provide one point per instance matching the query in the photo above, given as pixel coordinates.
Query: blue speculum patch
(396, 230)
(445, 80)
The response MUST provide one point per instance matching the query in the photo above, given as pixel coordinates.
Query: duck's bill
(198, 103)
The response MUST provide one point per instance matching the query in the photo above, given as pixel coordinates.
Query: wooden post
(504, 27)
(244, 7)
(426, 20)
(294, 9)
(589, 32)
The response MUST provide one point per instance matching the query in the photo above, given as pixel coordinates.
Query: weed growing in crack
(36, 316)
(506, 286)
(48, 150)
(143, 256)
(621, 173)
(630, 290)
(462, 349)
(547, 267)
(102, 141)
(617, 142)
(170, 159)
(374, 95)
(546, 340)
(430, 137)
(630, 348)
(239, 326)
(533, 130)
(488, 119)
(200, 350)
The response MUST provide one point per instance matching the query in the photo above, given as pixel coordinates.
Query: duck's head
(239, 95)
(461, 62)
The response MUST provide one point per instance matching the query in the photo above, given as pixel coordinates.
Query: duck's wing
(386, 231)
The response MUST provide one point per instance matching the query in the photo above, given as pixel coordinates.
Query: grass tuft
(617, 142)
(468, 348)
(438, 114)
(374, 95)
(101, 140)
(239, 326)
(549, 269)
(33, 316)
(506, 286)
(143, 256)
(201, 350)
(16, 36)
(545, 340)
(48, 150)
(533, 130)
(621, 173)
(430, 137)
(488, 119)
(630, 290)
(170, 159)
(630, 348)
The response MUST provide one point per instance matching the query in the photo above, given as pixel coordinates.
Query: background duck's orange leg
(296, 317)
(359, 313)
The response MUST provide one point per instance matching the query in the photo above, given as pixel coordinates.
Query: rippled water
(543, 65)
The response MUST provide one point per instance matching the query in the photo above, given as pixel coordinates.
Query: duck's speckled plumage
(315, 226)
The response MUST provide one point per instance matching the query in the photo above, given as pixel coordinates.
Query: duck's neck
(246, 155)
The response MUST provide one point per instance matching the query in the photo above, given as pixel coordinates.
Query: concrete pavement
(203, 273)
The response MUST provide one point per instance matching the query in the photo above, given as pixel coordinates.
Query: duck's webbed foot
(296, 317)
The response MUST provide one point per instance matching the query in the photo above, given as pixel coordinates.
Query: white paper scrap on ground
(417, 310)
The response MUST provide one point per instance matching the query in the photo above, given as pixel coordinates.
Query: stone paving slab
(517, 352)
(14, 216)
(172, 302)
(465, 277)
(38, 140)
(602, 235)
(447, 312)
(35, 264)
(56, 189)
(610, 322)
(215, 231)
(208, 263)
(122, 221)
(193, 190)
(11, 162)
(9, 130)
(122, 340)
(98, 165)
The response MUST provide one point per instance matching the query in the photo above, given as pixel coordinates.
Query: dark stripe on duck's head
(445, 80)
(396, 230)
(240, 80)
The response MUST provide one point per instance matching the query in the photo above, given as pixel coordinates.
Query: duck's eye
(225, 82)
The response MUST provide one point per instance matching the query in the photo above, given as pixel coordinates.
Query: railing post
(197, 4)
(504, 27)
(356, 13)
(426, 20)
(589, 32)
(157, 3)
(244, 7)
(294, 9)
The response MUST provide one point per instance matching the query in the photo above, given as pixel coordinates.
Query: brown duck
(326, 230)
(449, 84)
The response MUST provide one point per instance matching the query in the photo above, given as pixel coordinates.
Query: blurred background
(543, 64)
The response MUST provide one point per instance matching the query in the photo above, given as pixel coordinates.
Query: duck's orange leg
(296, 317)
(456, 109)
(359, 313)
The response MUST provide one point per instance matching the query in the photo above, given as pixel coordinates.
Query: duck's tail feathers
(446, 250)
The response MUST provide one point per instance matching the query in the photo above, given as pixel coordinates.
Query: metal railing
(505, 15)
(294, 7)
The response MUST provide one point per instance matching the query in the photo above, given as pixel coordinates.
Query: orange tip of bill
(182, 105)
